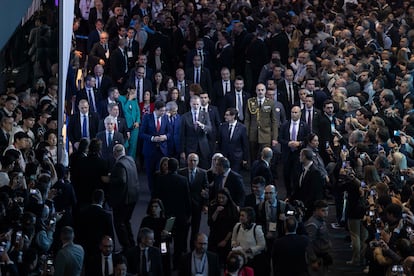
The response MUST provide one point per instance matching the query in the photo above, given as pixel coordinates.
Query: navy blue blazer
(236, 149)
(106, 151)
(148, 130)
(284, 137)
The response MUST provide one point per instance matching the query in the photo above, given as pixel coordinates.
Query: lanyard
(203, 262)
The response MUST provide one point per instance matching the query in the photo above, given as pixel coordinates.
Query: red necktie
(158, 125)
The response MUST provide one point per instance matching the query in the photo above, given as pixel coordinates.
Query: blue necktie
(85, 127)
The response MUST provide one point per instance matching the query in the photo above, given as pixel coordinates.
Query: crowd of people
(190, 94)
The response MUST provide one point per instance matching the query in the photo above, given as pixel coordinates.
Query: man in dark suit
(141, 83)
(183, 85)
(220, 89)
(310, 114)
(132, 48)
(326, 127)
(261, 167)
(292, 138)
(232, 140)
(155, 133)
(103, 82)
(200, 75)
(195, 125)
(309, 188)
(99, 53)
(6, 128)
(145, 259)
(82, 124)
(229, 179)
(102, 263)
(142, 61)
(124, 190)
(201, 51)
(199, 260)
(257, 196)
(197, 178)
(96, 12)
(225, 54)
(237, 98)
(288, 255)
(90, 94)
(93, 36)
(174, 191)
(109, 137)
(94, 223)
(113, 109)
(287, 91)
(119, 64)
(214, 119)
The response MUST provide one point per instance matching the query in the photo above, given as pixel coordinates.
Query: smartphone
(163, 247)
(397, 133)
(371, 213)
(51, 222)
(33, 191)
(327, 145)
(344, 147)
(362, 156)
(363, 184)
(372, 192)
(290, 213)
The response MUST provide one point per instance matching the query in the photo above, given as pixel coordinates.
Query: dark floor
(341, 247)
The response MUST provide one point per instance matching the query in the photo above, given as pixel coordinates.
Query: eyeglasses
(269, 193)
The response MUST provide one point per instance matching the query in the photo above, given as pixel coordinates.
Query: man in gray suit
(69, 259)
(124, 189)
(195, 125)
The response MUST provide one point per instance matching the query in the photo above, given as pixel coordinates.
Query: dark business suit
(120, 126)
(315, 117)
(290, 157)
(309, 189)
(103, 86)
(261, 168)
(124, 192)
(174, 144)
(235, 149)
(206, 58)
(132, 47)
(106, 150)
(230, 101)
(154, 260)
(4, 140)
(218, 96)
(288, 255)
(187, 261)
(153, 151)
(173, 189)
(194, 139)
(283, 97)
(199, 183)
(98, 52)
(74, 126)
(93, 16)
(147, 85)
(234, 183)
(323, 129)
(204, 77)
(94, 223)
(185, 91)
(83, 95)
(225, 58)
(119, 66)
(95, 263)
(93, 38)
